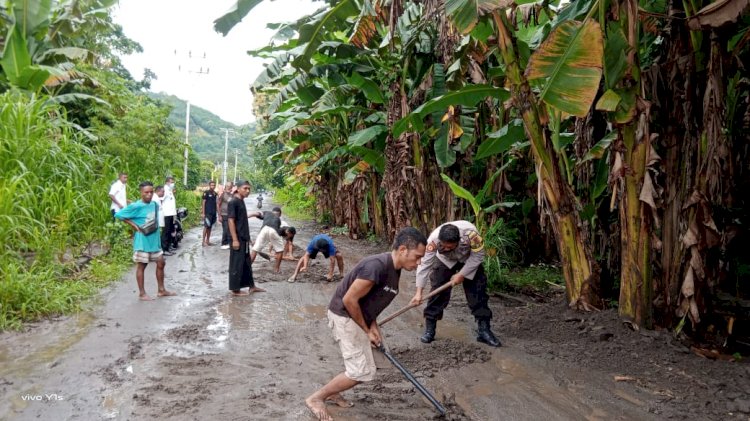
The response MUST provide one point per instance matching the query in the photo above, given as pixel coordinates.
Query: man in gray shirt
(352, 315)
(224, 199)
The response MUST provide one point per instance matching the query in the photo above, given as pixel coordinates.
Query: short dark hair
(409, 237)
(121, 174)
(276, 209)
(145, 184)
(211, 181)
(290, 230)
(449, 233)
(159, 187)
(242, 183)
(321, 244)
(169, 178)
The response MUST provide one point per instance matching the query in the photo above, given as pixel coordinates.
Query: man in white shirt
(118, 194)
(159, 199)
(169, 206)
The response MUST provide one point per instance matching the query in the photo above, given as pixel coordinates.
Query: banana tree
(565, 71)
(631, 176)
(479, 202)
(45, 39)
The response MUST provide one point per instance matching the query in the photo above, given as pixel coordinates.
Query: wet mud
(205, 354)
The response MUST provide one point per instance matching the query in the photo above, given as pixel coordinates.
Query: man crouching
(363, 294)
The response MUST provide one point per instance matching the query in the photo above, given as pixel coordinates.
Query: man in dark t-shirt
(208, 212)
(363, 294)
(240, 271)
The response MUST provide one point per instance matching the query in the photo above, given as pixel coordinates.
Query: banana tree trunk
(579, 267)
(636, 226)
(637, 192)
(376, 207)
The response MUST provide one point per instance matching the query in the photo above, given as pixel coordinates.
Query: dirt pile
(683, 384)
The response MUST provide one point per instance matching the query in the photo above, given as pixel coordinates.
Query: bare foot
(255, 289)
(209, 244)
(318, 409)
(292, 279)
(240, 293)
(166, 293)
(329, 278)
(339, 400)
(145, 297)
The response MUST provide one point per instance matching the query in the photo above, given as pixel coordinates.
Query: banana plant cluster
(449, 86)
(45, 40)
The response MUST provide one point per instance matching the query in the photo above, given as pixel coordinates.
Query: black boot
(485, 335)
(429, 330)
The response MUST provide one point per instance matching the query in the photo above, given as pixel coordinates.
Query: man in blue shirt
(323, 244)
(146, 247)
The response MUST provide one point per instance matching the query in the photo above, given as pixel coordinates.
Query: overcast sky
(163, 26)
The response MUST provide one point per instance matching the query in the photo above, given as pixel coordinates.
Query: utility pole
(189, 70)
(236, 152)
(187, 142)
(226, 147)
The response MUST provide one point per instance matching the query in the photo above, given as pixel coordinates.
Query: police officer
(454, 253)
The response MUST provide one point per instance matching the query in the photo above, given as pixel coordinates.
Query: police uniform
(439, 267)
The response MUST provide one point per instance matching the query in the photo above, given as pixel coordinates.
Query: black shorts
(209, 221)
(314, 254)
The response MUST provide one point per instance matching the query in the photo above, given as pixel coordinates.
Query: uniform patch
(475, 241)
(431, 247)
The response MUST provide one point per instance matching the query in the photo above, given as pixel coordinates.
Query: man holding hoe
(363, 294)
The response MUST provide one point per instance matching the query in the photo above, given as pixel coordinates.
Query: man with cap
(323, 244)
(454, 254)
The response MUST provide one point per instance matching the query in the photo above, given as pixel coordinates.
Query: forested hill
(206, 130)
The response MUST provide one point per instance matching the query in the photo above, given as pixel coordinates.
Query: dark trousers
(475, 290)
(240, 271)
(225, 237)
(167, 234)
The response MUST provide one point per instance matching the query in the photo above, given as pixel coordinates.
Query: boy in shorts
(146, 247)
(323, 244)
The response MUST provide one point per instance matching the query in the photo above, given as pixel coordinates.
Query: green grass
(532, 278)
(295, 201)
(53, 202)
(46, 290)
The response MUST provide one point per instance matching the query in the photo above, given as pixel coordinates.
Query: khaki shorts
(269, 235)
(146, 257)
(355, 347)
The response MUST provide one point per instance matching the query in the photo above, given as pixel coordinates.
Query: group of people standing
(453, 253)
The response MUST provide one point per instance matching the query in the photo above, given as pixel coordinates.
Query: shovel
(411, 306)
(426, 393)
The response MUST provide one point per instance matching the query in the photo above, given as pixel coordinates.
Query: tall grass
(296, 201)
(501, 252)
(502, 259)
(46, 208)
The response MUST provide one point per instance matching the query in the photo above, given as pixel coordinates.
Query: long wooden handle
(411, 306)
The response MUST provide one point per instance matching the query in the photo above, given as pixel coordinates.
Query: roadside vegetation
(71, 118)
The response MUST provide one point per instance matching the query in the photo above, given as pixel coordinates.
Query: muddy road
(206, 355)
